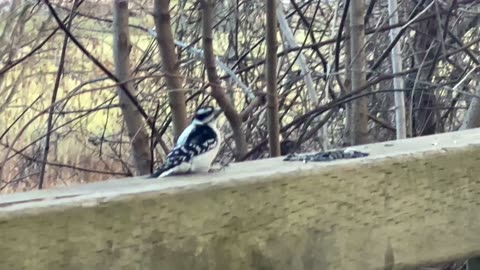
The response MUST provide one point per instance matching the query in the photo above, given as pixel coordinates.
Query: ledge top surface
(244, 172)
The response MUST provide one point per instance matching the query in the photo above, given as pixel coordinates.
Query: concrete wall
(411, 202)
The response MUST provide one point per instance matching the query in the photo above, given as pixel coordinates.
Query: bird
(196, 147)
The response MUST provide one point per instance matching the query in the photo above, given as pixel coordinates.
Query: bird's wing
(177, 156)
(200, 139)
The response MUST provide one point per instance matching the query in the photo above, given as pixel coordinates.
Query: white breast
(202, 162)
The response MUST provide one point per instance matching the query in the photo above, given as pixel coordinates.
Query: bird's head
(206, 115)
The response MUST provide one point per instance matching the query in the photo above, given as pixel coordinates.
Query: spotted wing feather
(201, 139)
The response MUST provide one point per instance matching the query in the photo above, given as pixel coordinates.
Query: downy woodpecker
(196, 147)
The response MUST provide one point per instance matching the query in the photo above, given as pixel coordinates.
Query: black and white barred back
(196, 147)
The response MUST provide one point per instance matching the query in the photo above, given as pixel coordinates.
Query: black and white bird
(196, 147)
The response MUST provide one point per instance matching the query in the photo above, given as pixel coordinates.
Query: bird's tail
(167, 165)
(157, 173)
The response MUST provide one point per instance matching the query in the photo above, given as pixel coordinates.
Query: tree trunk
(271, 72)
(290, 42)
(423, 98)
(359, 134)
(347, 85)
(398, 82)
(176, 95)
(218, 94)
(472, 117)
(133, 120)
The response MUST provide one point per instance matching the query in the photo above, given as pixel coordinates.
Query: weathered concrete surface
(412, 202)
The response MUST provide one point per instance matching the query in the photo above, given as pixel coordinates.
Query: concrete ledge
(411, 202)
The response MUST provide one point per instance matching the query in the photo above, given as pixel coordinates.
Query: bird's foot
(217, 167)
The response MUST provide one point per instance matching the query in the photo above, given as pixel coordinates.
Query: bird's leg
(213, 169)
(218, 167)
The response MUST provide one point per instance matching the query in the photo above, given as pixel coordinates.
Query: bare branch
(232, 116)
